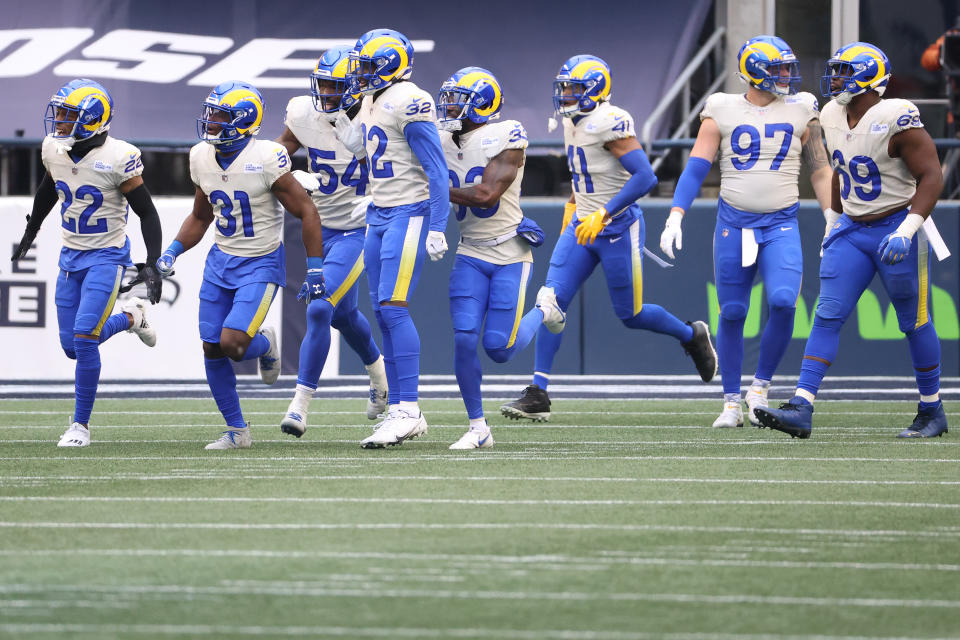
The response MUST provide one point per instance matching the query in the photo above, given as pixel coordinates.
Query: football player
(493, 264)
(887, 180)
(609, 172)
(241, 182)
(411, 196)
(337, 182)
(760, 136)
(95, 177)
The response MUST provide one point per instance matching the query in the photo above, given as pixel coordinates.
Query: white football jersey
(596, 174)
(870, 180)
(396, 176)
(343, 178)
(249, 218)
(466, 163)
(760, 148)
(94, 212)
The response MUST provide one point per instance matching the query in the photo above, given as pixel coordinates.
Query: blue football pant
(84, 301)
(780, 263)
(393, 255)
(342, 266)
(478, 290)
(848, 266)
(621, 257)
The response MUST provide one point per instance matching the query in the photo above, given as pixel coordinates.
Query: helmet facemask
(328, 94)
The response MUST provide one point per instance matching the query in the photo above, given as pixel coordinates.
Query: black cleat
(533, 404)
(700, 348)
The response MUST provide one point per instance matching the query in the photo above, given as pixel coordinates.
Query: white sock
(302, 397)
(934, 398)
(760, 385)
(479, 424)
(806, 395)
(410, 407)
(733, 398)
(378, 374)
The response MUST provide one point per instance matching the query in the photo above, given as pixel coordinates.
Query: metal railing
(681, 87)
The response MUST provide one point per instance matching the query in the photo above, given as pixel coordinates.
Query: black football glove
(25, 243)
(153, 281)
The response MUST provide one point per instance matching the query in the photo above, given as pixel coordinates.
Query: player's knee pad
(66, 343)
(495, 344)
(319, 313)
(733, 311)
(830, 324)
(465, 342)
(782, 298)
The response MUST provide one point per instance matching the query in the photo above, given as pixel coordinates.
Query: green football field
(618, 520)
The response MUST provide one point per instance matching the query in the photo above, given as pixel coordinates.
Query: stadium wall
(594, 343)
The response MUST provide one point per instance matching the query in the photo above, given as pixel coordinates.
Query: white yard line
(467, 559)
(487, 501)
(458, 457)
(294, 589)
(952, 532)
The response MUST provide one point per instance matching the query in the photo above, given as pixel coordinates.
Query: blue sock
(223, 385)
(653, 317)
(730, 351)
(925, 354)
(115, 324)
(316, 343)
(821, 350)
(388, 363)
(258, 346)
(775, 340)
(87, 377)
(466, 364)
(547, 346)
(406, 351)
(355, 329)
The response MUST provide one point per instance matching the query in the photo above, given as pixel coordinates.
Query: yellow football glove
(569, 209)
(591, 226)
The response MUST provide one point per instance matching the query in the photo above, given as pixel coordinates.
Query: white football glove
(307, 180)
(830, 217)
(672, 234)
(349, 135)
(436, 245)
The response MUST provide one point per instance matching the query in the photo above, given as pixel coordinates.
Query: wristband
(315, 262)
(910, 225)
(176, 248)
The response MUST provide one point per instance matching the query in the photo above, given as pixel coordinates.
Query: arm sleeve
(425, 143)
(688, 185)
(641, 181)
(142, 205)
(43, 202)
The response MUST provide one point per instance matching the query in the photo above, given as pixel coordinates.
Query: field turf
(618, 520)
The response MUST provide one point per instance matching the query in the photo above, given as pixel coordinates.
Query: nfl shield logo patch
(225, 177)
(74, 171)
(725, 233)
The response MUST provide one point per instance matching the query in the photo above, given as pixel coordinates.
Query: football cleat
(929, 423)
(700, 348)
(137, 309)
(474, 439)
(554, 319)
(794, 418)
(76, 435)
(376, 403)
(754, 398)
(295, 420)
(269, 363)
(533, 404)
(399, 425)
(232, 439)
(732, 416)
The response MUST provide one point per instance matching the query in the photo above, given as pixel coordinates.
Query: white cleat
(732, 416)
(295, 421)
(76, 435)
(376, 403)
(232, 439)
(754, 398)
(554, 319)
(399, 425)
(269, 363)
(474, 439)
(137, 309)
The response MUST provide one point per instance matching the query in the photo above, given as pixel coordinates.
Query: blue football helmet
(84, 105)
(380, 58)
(767, 63)
(472, 93)
(581, 84)
(238, 107)
(857, 68)
(332, 67)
